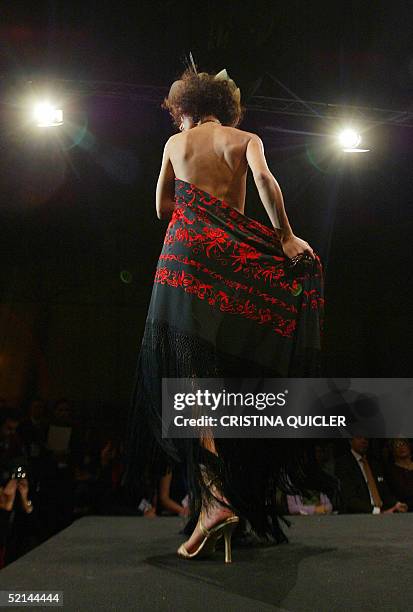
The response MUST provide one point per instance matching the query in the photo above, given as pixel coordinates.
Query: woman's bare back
(213, 157)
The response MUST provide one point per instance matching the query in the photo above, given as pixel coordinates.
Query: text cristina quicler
(260, 420)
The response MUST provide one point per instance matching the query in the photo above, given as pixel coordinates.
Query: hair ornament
(222, 75)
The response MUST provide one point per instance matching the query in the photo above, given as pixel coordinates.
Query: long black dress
(225, 303)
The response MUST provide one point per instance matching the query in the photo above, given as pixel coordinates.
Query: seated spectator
(111, 497)
(172, 498)
(33, 429)
(363, 486)
(61, 433)
(10, 490)
(86, 470)
(400, 471)
(16, 535)
(57, 492)
(11, 443)
(316, 503)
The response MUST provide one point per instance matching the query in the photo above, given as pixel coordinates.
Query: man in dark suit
(363, 486)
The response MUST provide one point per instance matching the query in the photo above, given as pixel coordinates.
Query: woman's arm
(165, 188)
(268, 188)
(272, 199)
(164, 499)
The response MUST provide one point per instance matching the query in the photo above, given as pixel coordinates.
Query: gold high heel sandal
(207, 546)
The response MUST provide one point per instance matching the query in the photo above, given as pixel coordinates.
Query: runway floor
(332, 563)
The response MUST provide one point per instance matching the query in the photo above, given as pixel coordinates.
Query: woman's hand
(150, 513)
(184, 512)
(293, 246)
(23, 488)
(7, 495)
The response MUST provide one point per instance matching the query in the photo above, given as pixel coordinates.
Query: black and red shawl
(225, 302)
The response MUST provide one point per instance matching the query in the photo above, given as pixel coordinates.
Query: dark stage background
(80, 237)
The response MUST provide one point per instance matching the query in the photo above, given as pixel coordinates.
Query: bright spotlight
(349, 138)
(47, 115)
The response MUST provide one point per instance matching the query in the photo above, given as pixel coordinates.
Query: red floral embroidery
(245, 253)
(234, 263)
(215, 238)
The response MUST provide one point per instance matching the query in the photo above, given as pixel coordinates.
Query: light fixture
(47, 115)
(349, 140)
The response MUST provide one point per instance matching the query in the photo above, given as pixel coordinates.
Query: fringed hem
(248, 472)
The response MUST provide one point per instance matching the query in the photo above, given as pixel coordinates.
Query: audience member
(111, 497)
(364, 488)
(33, 428)
(58, 487)
(11, 443)
(315, 502)
(33, 431)
(17, 534)
(172, 493)
(400, 471)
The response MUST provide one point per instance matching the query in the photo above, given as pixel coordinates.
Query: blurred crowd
(55, 469)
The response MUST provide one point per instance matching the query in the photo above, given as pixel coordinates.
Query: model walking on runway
(232, 297)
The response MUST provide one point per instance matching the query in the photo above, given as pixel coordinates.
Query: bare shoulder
(243, 134)
(233, 134)
(175, 142)
(172, 139)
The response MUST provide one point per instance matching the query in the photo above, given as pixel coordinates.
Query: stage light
(47, 115)
(349, 138)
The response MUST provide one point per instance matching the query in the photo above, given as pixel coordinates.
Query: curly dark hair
(200, 94)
